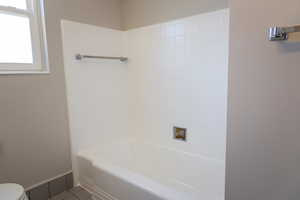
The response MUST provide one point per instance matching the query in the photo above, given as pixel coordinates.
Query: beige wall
(263, 158)
(96, 12)
(137, 13)
(34, 134)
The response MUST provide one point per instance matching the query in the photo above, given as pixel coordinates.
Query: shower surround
(122, 114)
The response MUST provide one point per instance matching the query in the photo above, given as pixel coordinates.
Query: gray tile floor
(76, 193)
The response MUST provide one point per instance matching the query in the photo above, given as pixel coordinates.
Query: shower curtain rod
(80, 57)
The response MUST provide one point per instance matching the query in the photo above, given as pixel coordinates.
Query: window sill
(25, 72)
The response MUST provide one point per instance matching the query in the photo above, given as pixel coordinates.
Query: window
(23, 46)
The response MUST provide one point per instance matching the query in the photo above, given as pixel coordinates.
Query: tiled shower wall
(97, 90)
(176, 76)
(179, 74)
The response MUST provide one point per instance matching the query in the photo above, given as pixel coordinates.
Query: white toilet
(12, 192)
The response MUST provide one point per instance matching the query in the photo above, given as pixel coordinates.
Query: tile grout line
(66, 184)
(49, 192)
(29, 198)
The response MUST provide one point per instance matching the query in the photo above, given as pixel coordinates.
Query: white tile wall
(179, 72)
(176, 76)
(97, 90)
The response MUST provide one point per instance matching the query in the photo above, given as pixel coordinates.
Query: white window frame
(36, 16)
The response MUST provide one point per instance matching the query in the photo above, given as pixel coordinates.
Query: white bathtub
(131, 171)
